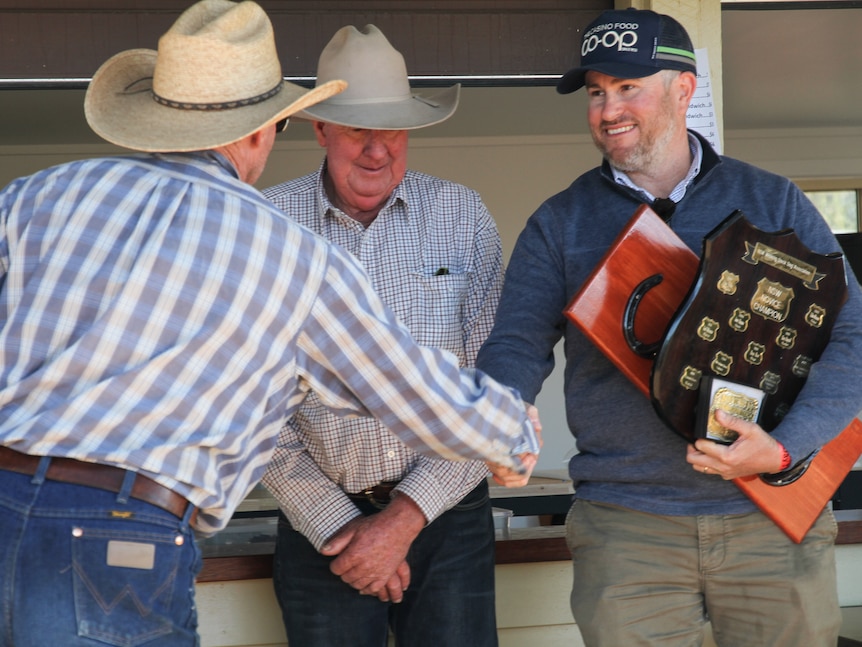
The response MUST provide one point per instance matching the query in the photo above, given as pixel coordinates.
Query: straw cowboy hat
(378, 95)
(215, 79)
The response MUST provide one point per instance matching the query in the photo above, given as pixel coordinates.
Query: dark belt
(97, 475)
(378, 495)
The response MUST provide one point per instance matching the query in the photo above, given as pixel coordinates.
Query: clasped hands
(371, 552)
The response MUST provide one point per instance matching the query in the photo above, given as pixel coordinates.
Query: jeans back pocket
(129, 587)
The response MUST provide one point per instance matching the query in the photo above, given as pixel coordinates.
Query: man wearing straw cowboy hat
(361, 509)
(161, 319)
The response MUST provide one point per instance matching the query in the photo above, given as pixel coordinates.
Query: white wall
(532, 607)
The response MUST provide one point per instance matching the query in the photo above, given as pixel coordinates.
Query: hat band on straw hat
(225, 105)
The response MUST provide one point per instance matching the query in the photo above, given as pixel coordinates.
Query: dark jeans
(82, 569)
(450, 601)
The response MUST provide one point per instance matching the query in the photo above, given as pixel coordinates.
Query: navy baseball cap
(630, 44)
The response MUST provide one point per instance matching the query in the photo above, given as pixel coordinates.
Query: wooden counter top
(526, 545)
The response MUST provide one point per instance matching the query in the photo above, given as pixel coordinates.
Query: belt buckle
(369, 494)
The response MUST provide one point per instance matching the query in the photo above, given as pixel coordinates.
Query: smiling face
(363, 166)
(638, 123)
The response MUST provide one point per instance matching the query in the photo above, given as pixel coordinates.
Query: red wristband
(785, 458)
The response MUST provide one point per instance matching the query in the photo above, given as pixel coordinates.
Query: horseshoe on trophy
(645, 350)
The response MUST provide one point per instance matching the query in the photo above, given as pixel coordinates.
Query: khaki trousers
(650, 580)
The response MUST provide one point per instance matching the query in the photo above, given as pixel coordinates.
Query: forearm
(314, 505)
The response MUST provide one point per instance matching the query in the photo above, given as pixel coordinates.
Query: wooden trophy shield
(759, 314)
(612, 298)
(645, 253)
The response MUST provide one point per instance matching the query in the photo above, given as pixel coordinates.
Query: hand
(509, 477)
(753, 452)
(371, 551)
(533, 415)
(506, 475)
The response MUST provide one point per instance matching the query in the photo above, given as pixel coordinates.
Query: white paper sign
(701, 115)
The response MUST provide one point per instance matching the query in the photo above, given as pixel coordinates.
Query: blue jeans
(450, 600)
(85, 567)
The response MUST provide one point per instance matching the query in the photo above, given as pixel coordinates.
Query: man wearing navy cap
(662, 541)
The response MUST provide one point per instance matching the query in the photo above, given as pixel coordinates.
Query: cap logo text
(620, 36)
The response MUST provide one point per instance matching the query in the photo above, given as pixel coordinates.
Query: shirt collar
(696, 150)
(218, 158)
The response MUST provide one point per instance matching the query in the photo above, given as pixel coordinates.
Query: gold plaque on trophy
(740, 400)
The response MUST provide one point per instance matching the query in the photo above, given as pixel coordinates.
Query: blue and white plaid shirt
(160, 315)
(434, 255)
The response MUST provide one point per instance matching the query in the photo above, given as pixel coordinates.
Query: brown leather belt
(379, 495)
(97, 475)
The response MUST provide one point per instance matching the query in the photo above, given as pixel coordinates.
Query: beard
(647, 153)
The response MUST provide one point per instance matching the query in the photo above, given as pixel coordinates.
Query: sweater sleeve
(520, 349)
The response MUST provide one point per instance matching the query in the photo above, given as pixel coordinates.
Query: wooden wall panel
(45, 43)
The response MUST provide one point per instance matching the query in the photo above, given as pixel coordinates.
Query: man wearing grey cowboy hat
(364, 515)
(160, 321)
(662, 540)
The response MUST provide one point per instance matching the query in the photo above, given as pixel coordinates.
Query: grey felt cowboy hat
(378, 94)
(215, 79)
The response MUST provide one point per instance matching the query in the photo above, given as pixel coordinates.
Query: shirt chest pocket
(437, 309)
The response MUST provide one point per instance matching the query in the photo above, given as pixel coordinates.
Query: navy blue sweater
(627, 455)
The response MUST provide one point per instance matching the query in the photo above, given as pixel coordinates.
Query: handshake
(519, 475)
